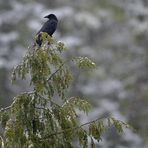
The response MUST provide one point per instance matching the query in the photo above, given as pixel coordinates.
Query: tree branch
(4, 109)
(7, 108)
(75, 128)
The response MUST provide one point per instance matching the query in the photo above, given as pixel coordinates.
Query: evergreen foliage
(35, 119)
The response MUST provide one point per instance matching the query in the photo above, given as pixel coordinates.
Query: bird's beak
(46, 16)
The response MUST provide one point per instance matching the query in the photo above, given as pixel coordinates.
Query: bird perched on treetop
(49, 27)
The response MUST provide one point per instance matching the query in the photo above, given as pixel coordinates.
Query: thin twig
(56, 71)
(42, 108)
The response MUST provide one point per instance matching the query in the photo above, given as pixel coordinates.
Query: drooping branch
(75, 128)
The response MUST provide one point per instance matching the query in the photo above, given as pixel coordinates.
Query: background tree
(35, 118)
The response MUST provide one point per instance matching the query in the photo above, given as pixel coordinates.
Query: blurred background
(113, 33)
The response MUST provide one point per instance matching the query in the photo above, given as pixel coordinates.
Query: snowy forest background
(113, 33)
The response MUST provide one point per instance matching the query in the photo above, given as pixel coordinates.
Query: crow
(49, 27)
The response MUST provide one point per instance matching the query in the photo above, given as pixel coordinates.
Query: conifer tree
(36, 119)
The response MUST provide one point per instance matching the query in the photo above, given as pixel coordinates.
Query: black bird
(49, 27)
